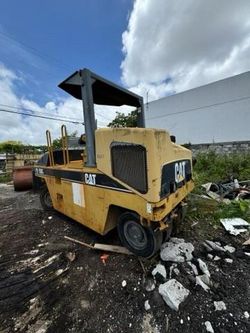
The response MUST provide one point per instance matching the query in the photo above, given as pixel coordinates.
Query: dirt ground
(49, 284)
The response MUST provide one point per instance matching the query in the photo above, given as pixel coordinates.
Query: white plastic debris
(200, 282)
(216, 258)
(247, 254)
(124, 283)
(219, 306)
(50, 218)
(203, 267)
(210, 256)
(209, 327)
(181, 321)
(235, 226)
(246, 315)
(173, 293)
(147, 305)
(228, 260)
(160, 269)
(177, 250)
(229, 248)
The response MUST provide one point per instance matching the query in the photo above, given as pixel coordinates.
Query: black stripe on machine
(93, 179)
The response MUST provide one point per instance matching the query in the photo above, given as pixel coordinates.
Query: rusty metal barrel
(22, 178)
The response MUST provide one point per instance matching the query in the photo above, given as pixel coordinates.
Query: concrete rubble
(219, 306)
(209, 327)
(200, 281)
(177, 250)
(160, 269)
(246, 315)
(147, 305)
(203, 267)
(173, 293)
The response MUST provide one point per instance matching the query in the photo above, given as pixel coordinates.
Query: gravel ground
(49, 284)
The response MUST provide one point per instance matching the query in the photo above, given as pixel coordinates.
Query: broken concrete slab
(247, 242)
(160, 269)
(235, 226)
(177, 251)
(229, 248)
(194, 268)
(213, 246)
(173, 293)
(219, 306)
(228, 260)
(203, 267)
(200, 281)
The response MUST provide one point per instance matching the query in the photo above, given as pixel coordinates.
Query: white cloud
(189, 42)
(28, 129)
(32, 130)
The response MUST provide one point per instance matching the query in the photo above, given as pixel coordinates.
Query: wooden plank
(79, 242)
(112, 248)
(103, 247)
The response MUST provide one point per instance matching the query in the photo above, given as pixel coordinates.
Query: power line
(36, 112)
(46, 113)
(202, 107)
(40, 116)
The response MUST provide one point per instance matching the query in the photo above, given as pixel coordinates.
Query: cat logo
(90, 179)
(180, 171)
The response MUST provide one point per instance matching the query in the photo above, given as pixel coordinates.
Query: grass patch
(5, 178)
(212, 167)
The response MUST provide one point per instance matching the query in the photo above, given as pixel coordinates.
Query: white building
(216, 112)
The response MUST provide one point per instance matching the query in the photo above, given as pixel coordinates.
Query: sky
(152, 47)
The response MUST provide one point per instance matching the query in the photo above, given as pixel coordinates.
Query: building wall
(221, 147)
(217, 112)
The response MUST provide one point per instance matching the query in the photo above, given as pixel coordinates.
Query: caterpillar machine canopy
(135, 179)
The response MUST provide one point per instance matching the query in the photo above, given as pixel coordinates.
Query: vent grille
(129, 165)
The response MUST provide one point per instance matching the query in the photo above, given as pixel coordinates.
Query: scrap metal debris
(235, 226)
(227, 191)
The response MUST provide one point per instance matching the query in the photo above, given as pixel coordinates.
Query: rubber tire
(44, 204)
(154, 238)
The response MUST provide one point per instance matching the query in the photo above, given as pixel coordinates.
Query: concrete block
(173, 293)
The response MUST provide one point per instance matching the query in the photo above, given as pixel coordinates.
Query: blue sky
(67, 34)
(152, 47)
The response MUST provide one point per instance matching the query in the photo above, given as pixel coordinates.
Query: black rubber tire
(142, 241)
(45, 200)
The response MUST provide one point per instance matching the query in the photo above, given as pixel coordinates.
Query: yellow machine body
(96, 196)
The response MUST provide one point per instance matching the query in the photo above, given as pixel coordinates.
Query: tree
(57, 143)
(11, 147)
(122, 120)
